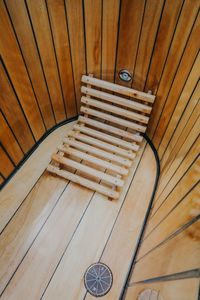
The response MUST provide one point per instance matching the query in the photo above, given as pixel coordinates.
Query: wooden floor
(52, 230)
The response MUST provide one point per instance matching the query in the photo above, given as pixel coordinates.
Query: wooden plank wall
(46, 45)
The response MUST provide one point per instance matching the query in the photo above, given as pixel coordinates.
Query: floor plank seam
(34, 240)
(119, 210)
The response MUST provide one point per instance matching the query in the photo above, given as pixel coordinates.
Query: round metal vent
(98, 279)
(125, 75)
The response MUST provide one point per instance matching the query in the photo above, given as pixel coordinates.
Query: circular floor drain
(98, 279)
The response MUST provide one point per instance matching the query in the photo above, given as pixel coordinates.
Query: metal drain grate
(98, 279)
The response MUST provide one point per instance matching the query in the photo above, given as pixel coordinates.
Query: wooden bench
(106, 137)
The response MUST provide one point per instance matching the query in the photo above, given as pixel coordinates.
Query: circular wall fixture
(125, 75)
(98, 279)
(149, 294)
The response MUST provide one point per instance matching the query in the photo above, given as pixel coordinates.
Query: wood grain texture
(109, 38)
(174, 251)
(20, 19)
(93, 15)
(150, 24)
(9, 142)
(13, 60)
(6, 166)
(165, 34)
(129, 32)
(59, 27)
(13, 113)
(179, 289)
(184, 69)
(76, 31)
(189, 13)
(39, 18)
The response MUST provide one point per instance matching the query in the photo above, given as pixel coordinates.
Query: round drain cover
(98, 279)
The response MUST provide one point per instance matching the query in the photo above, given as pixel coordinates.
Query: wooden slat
(111, 129)
(20, 19)
(115, 109)
(84, 182)
(113, 119)
(59, 28)
(87, 170)
(116, 99)
(13, 60)
(107, 155)
(110, 139)
(118, 89)
(45, 44)
(103, 145)
(94, 160)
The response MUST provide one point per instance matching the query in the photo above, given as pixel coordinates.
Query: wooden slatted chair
(106, 137)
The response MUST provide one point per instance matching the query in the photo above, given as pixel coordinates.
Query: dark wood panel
(93, 15)
(20, 19)
(76, 31)
(109, 38)
(9, 142)
(6, 166)
(13, 113)
(129, 32)
(150, 25)
(16, 68)
(57, 15)
(39, 18)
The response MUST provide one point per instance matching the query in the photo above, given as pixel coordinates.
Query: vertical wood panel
(109, 38)
(129, 32)
(16, 68)
(39, 18)
(93, 16)
(180, 105)
(13, 112)
(6, 166)
(192, 103)
(189, 57)
(176, 50)
(150, 25)
(8, 141)
(165, 34)
(25, 36)
(59, 27)
(76, 31)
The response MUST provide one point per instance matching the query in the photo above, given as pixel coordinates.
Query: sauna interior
(99, 149)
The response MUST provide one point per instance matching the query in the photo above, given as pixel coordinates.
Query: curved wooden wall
(46, 45)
